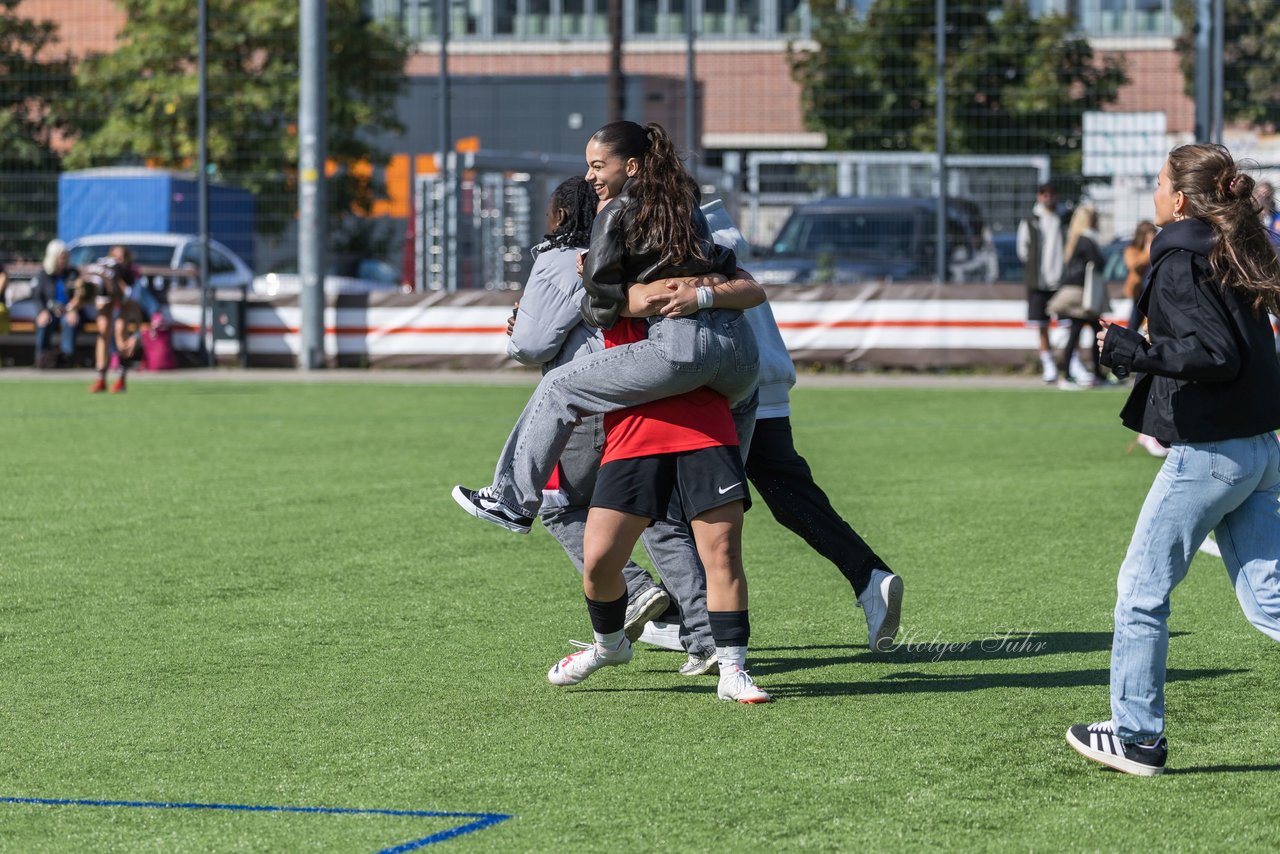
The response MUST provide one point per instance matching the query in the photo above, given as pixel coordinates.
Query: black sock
(607, 617)
(730, 628)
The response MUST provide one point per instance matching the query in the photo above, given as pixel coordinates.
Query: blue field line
(482, 819)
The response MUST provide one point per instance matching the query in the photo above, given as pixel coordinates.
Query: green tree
(1016, 83)
(139, 102)
(1250, 59)
(32, 82)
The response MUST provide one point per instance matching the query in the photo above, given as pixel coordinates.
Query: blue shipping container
(98, 201)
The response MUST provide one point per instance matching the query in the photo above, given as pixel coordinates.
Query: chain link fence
(792, 101)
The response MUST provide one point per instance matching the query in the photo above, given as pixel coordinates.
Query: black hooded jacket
(611, 265)
(1209, 371)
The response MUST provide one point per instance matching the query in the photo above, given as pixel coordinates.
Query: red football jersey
(687, 422)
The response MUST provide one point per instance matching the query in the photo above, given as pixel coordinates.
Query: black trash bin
(230, 333)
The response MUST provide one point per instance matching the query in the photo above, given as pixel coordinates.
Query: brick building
(747, 97)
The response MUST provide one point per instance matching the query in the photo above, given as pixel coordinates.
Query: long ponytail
(1221, 196)
(663, 190)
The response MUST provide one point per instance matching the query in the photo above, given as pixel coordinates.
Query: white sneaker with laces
(577, 666)
(479, 504)
(881, 603)
(736, 684)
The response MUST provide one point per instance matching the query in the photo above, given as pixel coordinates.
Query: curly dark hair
(664, 192)
(578, 200)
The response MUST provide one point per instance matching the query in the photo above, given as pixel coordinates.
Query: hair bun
(1236, 186)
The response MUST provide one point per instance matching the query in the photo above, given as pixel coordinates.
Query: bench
(18, 346)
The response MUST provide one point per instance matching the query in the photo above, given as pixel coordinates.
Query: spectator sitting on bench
(59, 299)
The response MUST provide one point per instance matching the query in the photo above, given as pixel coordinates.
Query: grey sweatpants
(713, 348)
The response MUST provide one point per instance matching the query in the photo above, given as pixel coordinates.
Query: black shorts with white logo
(703, 480)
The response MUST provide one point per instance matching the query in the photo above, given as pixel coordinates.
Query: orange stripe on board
(494, 330)
(903, 324)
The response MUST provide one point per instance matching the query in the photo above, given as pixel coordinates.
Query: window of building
(1128, 17)
(578, 19)
(646, 22)
(793, 17)
(504, 17)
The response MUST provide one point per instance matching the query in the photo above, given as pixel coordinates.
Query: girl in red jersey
(685, 445)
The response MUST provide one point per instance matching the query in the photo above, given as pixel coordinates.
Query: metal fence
(1086, 93)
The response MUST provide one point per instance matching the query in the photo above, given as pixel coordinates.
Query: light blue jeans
(713, 348)
(1231, 487)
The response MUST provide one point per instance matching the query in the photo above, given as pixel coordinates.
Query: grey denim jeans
(713, 348)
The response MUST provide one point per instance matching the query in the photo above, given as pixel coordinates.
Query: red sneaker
(99, 384)
(117, 386)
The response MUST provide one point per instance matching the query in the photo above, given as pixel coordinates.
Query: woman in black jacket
(1210, 391)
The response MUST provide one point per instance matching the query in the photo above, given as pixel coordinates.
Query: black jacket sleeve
(603, 271)
(1198, 341)
(42, 290)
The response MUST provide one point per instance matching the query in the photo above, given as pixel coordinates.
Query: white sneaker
(736, 684)
(698, 665)
(662, 635)
(1078, 372)
(1050, 370)
(478, 503)
(648, 604)
(881, 602)
(577, 666)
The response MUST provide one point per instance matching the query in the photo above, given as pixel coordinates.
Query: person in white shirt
(1040, 249)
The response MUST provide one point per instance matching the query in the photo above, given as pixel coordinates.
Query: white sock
(612, 640)
(1046, 359)
(731, 657)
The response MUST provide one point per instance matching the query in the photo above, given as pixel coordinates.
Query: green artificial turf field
(261, 594)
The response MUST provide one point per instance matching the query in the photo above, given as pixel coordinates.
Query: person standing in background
(1039, 247)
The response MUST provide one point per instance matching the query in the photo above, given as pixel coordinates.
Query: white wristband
(705, 297)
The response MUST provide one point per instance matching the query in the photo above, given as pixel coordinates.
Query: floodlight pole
(446, 145)
(202, 179)
(940, 58)
(690, 84)
(312, 226)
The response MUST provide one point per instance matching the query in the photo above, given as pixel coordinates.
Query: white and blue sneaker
(577, 666)
(881, 603)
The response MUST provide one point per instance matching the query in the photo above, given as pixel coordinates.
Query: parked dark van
(862, 239)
